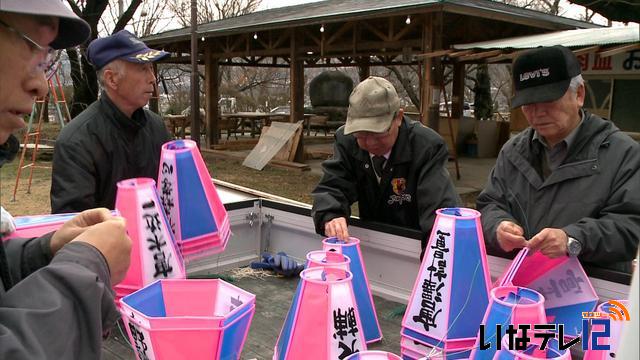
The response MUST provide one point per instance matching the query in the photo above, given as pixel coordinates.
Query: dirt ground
(290, 184)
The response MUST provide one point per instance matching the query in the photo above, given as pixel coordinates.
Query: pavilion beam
(364, 68)
(211, 74)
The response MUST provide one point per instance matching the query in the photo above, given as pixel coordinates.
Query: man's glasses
(363, 135)
(46, 56)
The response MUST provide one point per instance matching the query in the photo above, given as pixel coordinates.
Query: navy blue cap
(121, 45)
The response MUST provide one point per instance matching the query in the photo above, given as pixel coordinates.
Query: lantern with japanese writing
(451, 291)
(325, 322)
(193, 319)
(196, 215)
(364, 299)
(38, 225)
(415, 350)
(509, 306)
(611, 317)
(566, 288)
(540, 346)
(374, 355)
(154, 254)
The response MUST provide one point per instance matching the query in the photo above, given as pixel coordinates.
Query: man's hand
(74, 227)
(337, 227)
(510, 236)
(550, 242)
(110, 238)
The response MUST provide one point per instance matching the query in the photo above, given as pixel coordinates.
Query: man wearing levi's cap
(393, 167)
(56, 300)
(570, 183)
(115, 138)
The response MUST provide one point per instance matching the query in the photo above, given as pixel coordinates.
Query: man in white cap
(56, 300)
(393, 167)
(570, 183)
(115, 138)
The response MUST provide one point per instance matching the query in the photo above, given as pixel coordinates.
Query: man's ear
(580, 94)
(110, 79)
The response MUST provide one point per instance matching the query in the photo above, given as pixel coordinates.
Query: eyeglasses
(363, 135)
(47, 55)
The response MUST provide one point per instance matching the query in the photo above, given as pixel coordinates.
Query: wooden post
(211, 93)
(195, 77)
(364, 69)
(297, 91)
(457, 91)
(432, 71)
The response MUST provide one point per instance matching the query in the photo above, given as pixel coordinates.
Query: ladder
(40, 107)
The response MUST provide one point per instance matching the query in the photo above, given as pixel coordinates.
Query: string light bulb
(202, 38)
(408, 21)
(255, 36)
(322, 28)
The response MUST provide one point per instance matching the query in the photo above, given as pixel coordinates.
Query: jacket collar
(137, 121)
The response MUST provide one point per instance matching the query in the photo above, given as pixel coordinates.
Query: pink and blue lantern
(509, 305)
(534, 350)
(451, 291)
(565, 286)
(154, 254)
(374, 355)
(39, 225)
(325, 321)
(364, 299)
(188, 320)
(196, 215)
(415, 350)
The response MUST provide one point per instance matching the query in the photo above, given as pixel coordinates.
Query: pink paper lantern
(325, 322)
(451, 291)
(188, 320)
(617, 320)
(38, 225)
(565, 286)
(196, 214)
(364, 299)
(533, 352)
(373, 355)
(154, 254)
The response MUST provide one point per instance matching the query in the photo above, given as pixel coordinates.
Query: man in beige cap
(392, 166)
(55, 291)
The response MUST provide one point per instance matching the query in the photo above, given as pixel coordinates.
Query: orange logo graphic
(617, 311)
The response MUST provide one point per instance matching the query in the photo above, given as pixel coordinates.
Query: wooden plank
(280, 164)
(618, 50)
(274, 139)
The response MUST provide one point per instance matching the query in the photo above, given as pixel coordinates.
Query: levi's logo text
(523, 337)
(543, 72)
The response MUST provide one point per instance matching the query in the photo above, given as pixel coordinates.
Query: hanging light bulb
(322, 28)
(255, 36)
(408, 21)
(202, 39)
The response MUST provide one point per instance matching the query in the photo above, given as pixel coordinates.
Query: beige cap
(372, 105)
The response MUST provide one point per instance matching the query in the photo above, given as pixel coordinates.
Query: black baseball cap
(543, 75)
(121, 45)
(72, 30)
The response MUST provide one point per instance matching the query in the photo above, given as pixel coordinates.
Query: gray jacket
(53, 307)
(594, 196)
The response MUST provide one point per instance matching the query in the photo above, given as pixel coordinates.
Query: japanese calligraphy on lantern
(345, 331)
(141, 342)
(563, 285)
(157, 256)
(167, 188)
(429, 309)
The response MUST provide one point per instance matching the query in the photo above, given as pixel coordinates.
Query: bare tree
(211, 10)
(83, 75)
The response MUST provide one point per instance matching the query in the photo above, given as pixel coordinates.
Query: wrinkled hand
(510, 236)
(550, 242)
(7, 224)
(110, 238)
(74, 227)
(337, 227)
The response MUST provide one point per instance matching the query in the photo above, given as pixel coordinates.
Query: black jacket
(594, 196)
(52, 307)
(414, 185)
(100, 147)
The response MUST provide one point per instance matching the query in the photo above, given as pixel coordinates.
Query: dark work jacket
(52, 307)
(594, 195)
(100, 147)
(415, 182)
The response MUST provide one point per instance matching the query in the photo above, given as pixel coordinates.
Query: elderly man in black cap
(55, 291)
(392, 166)
(570, 183)
(115, 138)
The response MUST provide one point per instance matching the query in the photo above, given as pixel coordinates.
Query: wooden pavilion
(357, 33)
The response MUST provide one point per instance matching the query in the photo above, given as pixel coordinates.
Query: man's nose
(37, 85)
